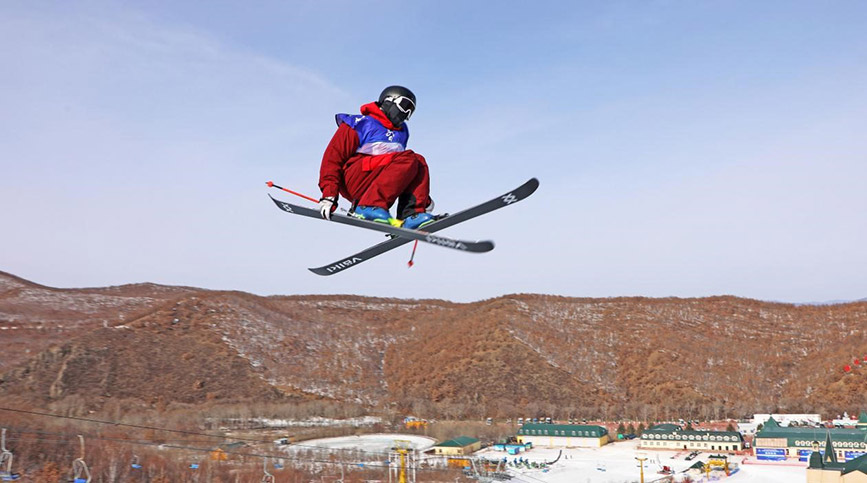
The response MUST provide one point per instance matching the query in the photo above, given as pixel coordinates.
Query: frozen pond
(370, 443)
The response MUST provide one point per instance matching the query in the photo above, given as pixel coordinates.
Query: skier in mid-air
(367, 162)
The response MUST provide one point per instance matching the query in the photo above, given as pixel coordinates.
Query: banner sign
(771, 454)
(851, 455)
(804, 454)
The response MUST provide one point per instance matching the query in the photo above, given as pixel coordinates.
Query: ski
(507, 199)
(409, 235)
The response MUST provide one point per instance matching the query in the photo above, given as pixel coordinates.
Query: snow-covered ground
(318, 421)
(616, 463)
(613, 463)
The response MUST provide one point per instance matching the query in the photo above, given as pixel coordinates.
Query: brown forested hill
(33, 317)
(513, 355)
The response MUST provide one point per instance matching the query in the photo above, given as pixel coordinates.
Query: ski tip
(270, 184)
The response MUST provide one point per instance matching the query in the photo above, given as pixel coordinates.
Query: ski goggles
(404, 104)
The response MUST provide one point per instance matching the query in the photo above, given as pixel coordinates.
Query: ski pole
(410, 263)
(272, 185)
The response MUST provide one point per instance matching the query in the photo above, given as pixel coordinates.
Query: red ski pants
(381, 180)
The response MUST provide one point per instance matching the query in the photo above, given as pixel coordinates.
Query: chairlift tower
(6, 461)
(80, 472)
(268, 477)
(641, 458)
(406, 457)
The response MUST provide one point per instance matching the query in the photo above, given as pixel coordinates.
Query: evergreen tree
(630, 429)
(621, 429)
(641, 429)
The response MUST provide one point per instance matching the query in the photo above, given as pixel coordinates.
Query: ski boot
(418, 220)
(376, 214)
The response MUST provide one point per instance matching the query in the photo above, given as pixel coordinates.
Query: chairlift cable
(365, 464)
(179, 431)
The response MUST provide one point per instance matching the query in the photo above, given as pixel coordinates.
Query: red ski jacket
(343, 149)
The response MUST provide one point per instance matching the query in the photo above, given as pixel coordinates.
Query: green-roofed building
(563, 435)
(462, 445)
(673, 437)
(862, 421)
(825, 468)
(777, 443)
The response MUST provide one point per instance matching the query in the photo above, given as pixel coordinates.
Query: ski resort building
(784, 419)
(824, 467)
(673, 437)
(462, 445)
(563, 435)
(776, 443)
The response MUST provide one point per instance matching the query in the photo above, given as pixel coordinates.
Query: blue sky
(684, 148)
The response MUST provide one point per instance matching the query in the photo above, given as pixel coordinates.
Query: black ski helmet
(398, 104)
